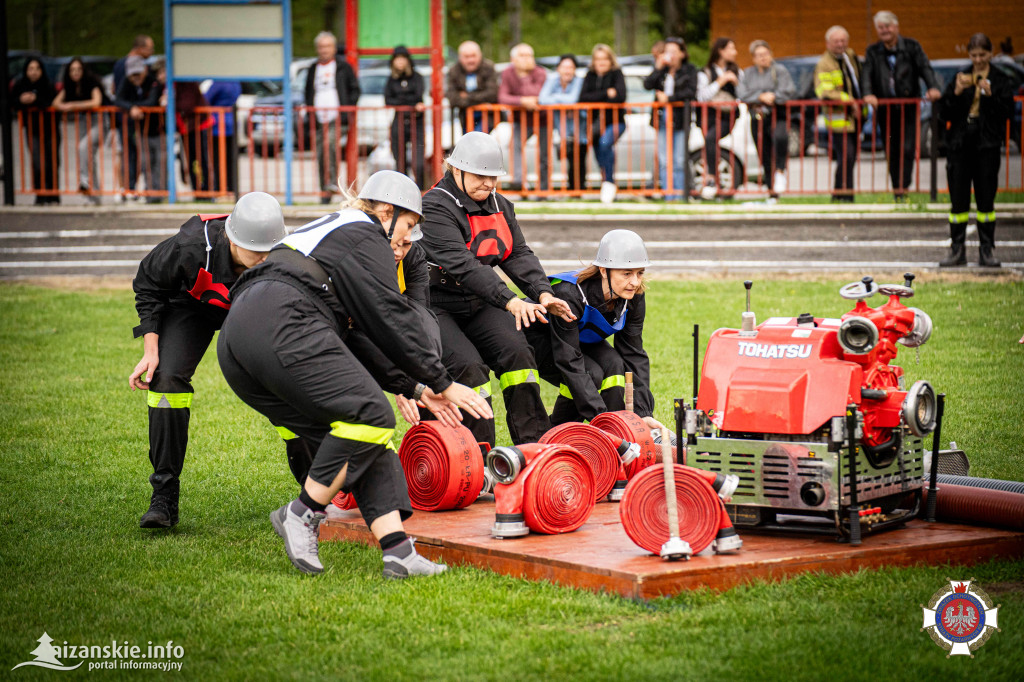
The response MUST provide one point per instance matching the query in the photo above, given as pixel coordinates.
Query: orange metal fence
(552, 151)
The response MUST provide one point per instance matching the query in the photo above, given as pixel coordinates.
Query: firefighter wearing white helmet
(469, 230)
(182, 296)
(285, 349)
(608, 299)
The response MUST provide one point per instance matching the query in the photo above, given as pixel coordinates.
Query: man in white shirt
(330, 83)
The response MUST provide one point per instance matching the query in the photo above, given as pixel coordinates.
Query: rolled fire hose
(702, 515)
(632, 428)
(345, 501)
(602, 450)
(544, 488)
(969, 504)
(442, 465)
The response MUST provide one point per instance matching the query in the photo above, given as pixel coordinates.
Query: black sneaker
(162, 513)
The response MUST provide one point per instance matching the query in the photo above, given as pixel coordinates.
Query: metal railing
(105, 153)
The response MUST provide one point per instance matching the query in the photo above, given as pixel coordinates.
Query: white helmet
(622, 249)
(478, 153)
(256, 223)
(393, 188)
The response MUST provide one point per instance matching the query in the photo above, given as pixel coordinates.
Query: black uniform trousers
(185, 334)
(772, 140)
(478, 337)
(843, 147)
(898, 125)
(980, 167)
(283, 358)
(603, 364)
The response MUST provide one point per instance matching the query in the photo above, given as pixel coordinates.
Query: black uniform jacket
(361, 266)
(911, 64)
(169, 272)
(446, 232)
(684, 89)
(993, 110)
(629, 343)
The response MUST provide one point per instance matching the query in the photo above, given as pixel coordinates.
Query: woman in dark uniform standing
(469, 229)
(607, 298)
(976, 105)
(283, 351)
(181, 295)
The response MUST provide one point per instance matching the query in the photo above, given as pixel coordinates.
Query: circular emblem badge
(960, 617)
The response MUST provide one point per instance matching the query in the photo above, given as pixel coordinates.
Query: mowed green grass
(73, 473)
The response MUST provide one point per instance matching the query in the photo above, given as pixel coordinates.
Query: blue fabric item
(224, 94)
(470, 82)
(592, 325)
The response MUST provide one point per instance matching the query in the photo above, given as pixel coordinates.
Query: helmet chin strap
(611, 291)
(462, 176)
(394, 221)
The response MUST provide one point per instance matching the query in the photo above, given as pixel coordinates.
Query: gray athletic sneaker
(404, 561)
(300, 536)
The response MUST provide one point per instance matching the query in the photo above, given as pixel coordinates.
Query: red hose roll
(554, 493)
(443, 467)
(345, 501)
(967, 504)
(598, 448)
(644, 514)
(629, 426)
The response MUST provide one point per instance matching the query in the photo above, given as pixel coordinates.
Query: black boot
(162, 513)
(986, 248)
(958, 251)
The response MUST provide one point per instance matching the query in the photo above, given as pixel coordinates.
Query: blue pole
(169, 118)
(289, 127)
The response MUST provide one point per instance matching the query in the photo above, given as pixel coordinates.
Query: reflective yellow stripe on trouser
(516, 377)
(987, 217)
(613, 381)
(285, 433)
(170, 400)
(564, 391)
(959, 218)
(484, 389)
(364, 433)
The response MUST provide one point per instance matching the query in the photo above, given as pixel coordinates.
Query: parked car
(251, 92)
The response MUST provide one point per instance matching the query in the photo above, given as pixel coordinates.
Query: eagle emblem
(960, 618)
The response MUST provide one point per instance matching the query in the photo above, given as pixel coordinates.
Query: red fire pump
(544, 488)
(811, 416)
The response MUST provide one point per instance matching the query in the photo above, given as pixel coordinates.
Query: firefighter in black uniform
(608, 299)
(468, 230)
(181, 294)
(283, 352)
(976, 104)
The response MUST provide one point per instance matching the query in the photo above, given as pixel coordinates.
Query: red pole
(437, 82)
(352, 56)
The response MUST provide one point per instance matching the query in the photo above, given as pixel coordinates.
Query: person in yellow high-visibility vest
(837, 79)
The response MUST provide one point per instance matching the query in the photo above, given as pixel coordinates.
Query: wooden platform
(601, 557)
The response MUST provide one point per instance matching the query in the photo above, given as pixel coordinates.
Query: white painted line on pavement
(141, 248)
(739, 243)
(77, 234)
(551, 265)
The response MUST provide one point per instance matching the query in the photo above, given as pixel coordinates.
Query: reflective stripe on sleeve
(613, 381)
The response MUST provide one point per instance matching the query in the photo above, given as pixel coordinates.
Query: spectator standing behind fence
(604, 83)
(140, 89)
(563, 88)
(1005, 55)
(194, 127)
(837, 79)
(81, 96)
(674, 81)
(520, 87)
(224, 94)
(976, 106)
(142, 46)
(472, 81)
(404, 88)
(32, 94)
(330, 83)
(892, 68)
(717, 83)
(765, 88)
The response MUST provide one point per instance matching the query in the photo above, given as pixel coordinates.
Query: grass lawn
(74, 563)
